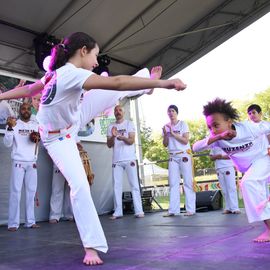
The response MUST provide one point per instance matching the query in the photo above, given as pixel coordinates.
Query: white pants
(60, 205)
(131, 168)
(22, 172)
(65, 155)
(255, 197)
(181, 164)
(226, 178)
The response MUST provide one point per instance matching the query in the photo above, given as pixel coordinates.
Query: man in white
(226, 177)
(176, 138)
(121, 136)
(255, 115)
(23, 167)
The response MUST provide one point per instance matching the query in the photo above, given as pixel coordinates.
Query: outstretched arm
(23, 91)
(124, 83)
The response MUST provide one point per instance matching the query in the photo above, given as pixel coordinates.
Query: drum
(87, 165)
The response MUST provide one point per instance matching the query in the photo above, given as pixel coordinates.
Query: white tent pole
(138, 141)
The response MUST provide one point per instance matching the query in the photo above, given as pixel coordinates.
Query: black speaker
(147, 198)
(208, 200)
(127, 202)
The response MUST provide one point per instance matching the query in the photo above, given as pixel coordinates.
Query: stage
(207, 240)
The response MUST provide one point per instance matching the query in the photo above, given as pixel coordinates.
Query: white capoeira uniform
(124, 158)
(23, 171)
(60, 205)
(93, 103)
(60, 110)
(180, 163)
(226, 177)
(248, 151)
(58, 119)
(263, 122)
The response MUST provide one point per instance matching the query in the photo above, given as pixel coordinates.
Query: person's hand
(34, 137)
(176, 84)
(164, 131)
(11, 122)
(21, 83)
(227, 135)
(121, 138)
(114, 131)
(171, 131)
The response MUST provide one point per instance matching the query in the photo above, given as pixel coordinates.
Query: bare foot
(139, 216)
(12, 229)
(115, 217)
(34, 226)
(189, 214)
(264, 237)
(53, 221)
(155, 74)
(226, 212)
(236, 212)
(169, 215)
(91, 257)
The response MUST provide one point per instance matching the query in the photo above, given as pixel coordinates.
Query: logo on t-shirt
(121, 132)
(25, 132)
(49, 91)
(237, 149)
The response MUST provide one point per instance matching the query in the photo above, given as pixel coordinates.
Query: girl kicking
(71, 72)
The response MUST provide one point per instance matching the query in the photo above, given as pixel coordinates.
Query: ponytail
(62, 52)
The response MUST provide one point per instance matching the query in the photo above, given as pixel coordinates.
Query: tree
(152, 146)
(198, 131)
(262, 99)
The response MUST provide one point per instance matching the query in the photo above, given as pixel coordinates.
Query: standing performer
(244, 144)
(24, 169)
(254, 112)
(60, 205)
(176, 138)
(121, 137)
(226, 177)
(71, 65)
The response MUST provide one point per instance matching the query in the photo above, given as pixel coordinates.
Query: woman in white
(244, 144)
(71, 65)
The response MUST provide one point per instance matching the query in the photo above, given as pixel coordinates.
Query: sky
(237, 69)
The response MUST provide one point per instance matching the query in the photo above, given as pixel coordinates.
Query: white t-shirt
(23, 149)
(220, 163)
(121, 150)
(263, 123)
(60, 102)
(180, 128)
(245, 148)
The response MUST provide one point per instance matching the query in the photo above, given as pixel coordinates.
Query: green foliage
(262, 99)
(198, 131)
(153, 148)
(158, 152)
